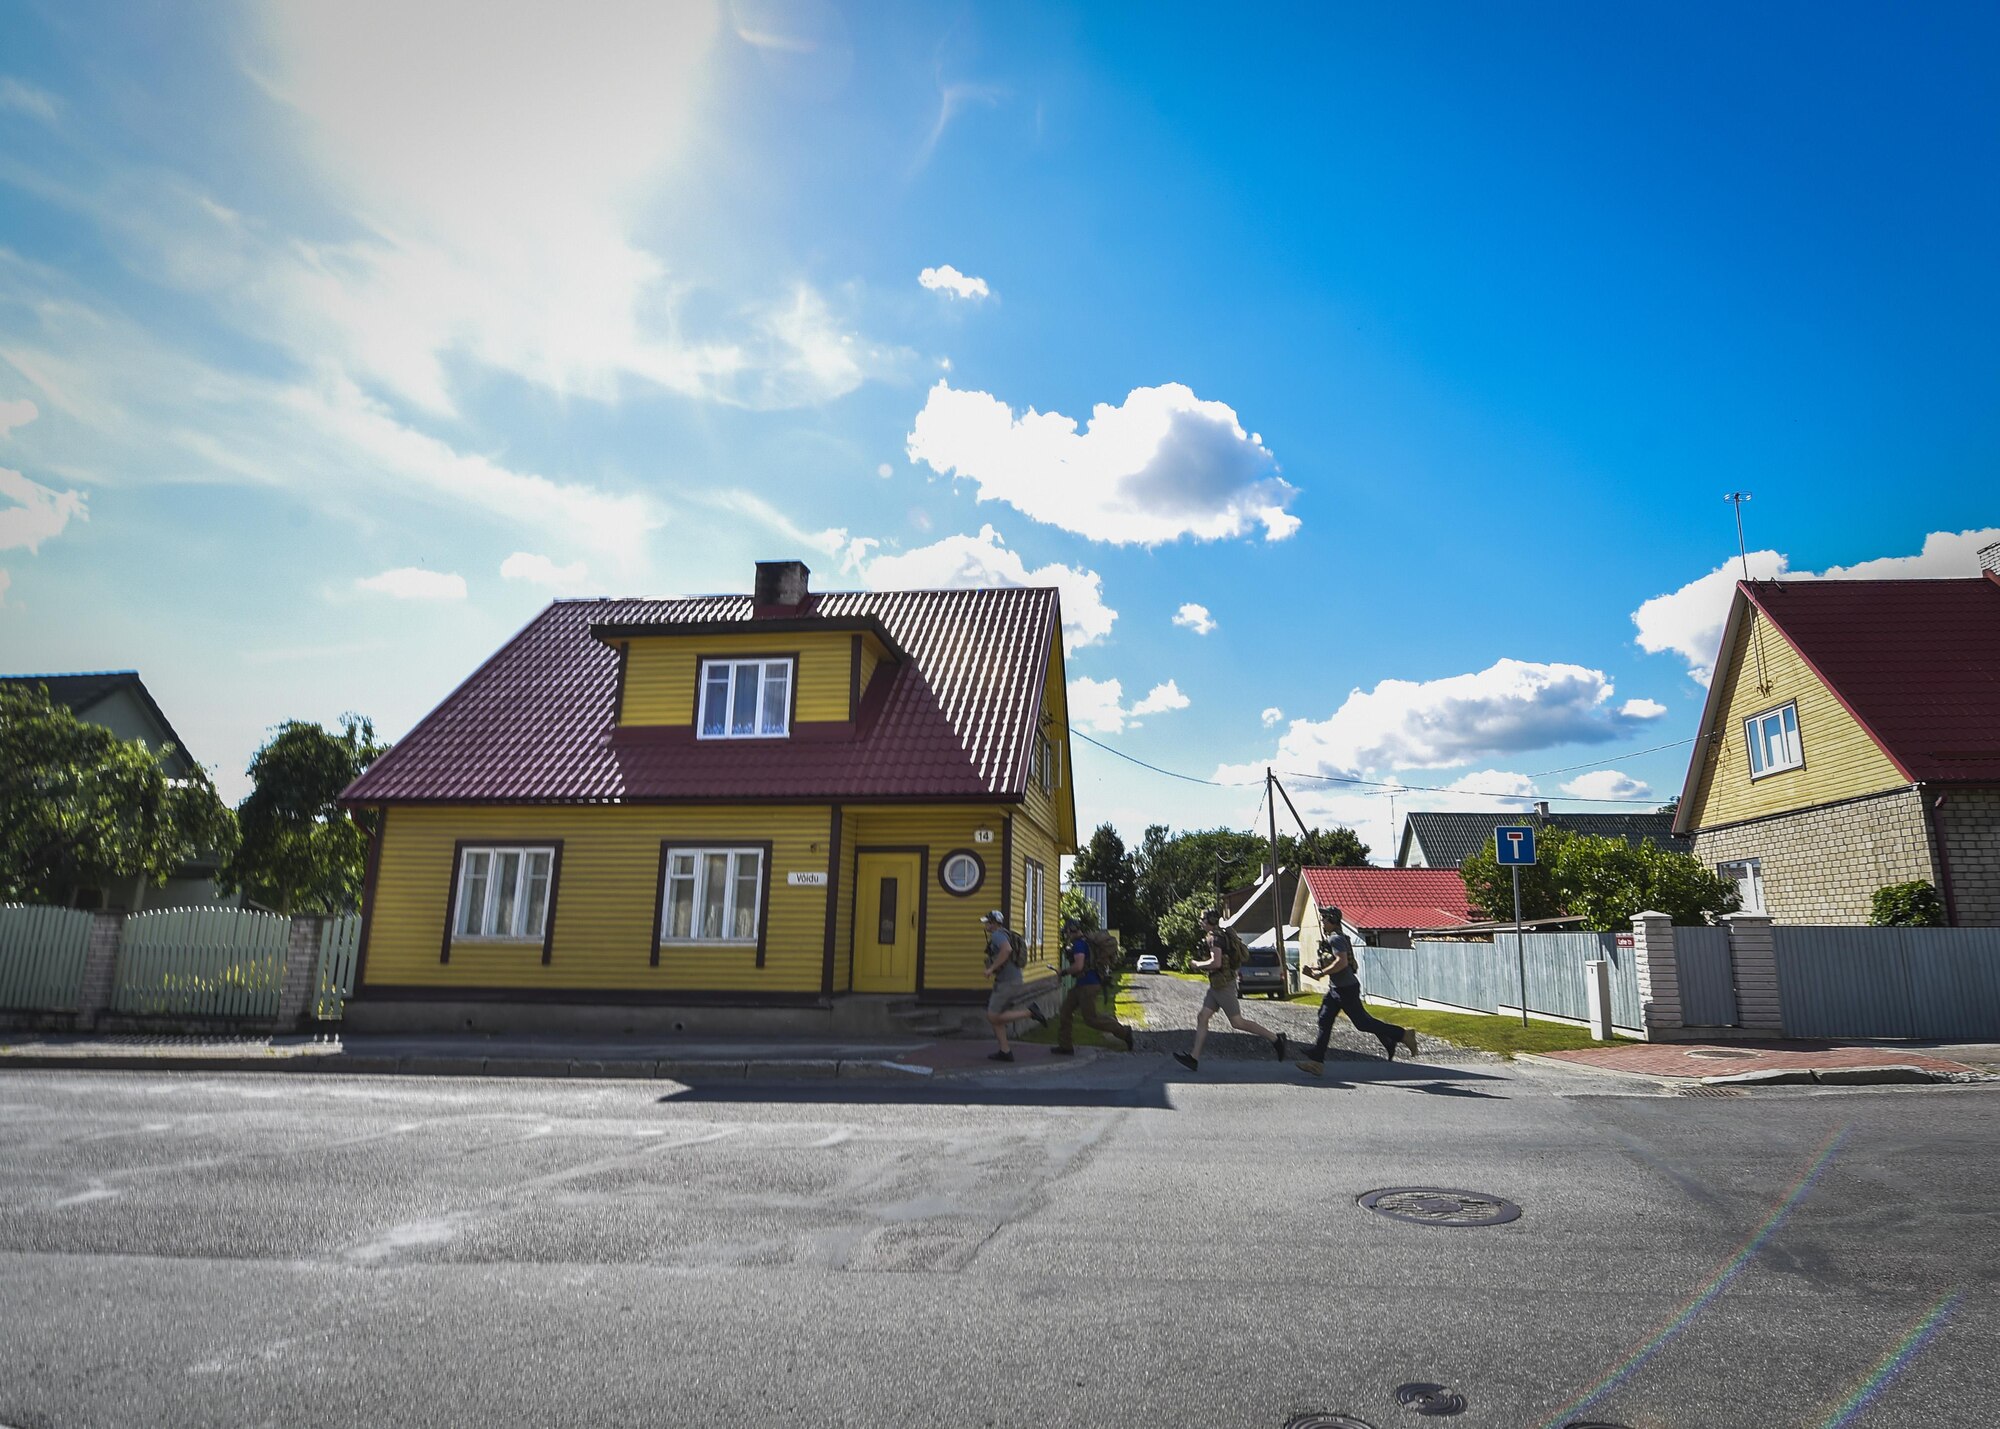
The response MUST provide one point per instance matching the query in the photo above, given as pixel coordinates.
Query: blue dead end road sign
(1515, 847)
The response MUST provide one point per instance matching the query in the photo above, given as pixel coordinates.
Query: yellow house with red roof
(787, 800)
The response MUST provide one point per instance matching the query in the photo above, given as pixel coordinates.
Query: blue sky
(1368, 377)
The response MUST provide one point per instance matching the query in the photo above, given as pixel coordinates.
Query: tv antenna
(1736, 499)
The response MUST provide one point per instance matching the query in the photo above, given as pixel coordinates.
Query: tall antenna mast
(1736, 499)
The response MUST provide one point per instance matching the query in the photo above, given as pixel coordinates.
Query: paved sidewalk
(1708, 1061)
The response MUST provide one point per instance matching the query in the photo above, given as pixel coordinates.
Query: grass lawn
(1125, 1008)
(1496, 1033)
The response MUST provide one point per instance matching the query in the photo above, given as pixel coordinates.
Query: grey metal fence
(1483, 977)
(1938, 983)
(1707, 977)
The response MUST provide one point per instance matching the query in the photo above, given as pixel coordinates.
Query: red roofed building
(773, 800)
(1851, 741)
(1378, 906)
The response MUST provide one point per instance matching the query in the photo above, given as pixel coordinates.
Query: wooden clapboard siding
(843, 905)
(954, 945)
(1841, 760)
(872, 656)
(661, 672)
(1032, 841)
(606, 899)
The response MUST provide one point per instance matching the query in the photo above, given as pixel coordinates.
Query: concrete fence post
(1753, 957)
(100, 969)
(1659, 975)
(1597, 997)
(301, 985)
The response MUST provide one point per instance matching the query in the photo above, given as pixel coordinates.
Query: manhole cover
(1592, 1424)
(1722, 1054)
(1712, 1092)
(1434, 1206)
(1431, 1399)
(1326, 1421)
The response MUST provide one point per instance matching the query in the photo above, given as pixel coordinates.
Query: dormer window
(746, 699)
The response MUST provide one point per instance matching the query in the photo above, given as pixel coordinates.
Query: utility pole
(1277, 903)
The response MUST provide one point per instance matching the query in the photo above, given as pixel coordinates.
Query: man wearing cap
(1081, 986)
(1005, 969)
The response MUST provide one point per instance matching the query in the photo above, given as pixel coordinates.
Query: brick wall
(1970, 821)
(1823, 865)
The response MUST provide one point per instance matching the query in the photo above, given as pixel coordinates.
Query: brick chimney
(1989, 559)
(781, 589)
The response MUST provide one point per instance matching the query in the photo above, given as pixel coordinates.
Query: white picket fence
(201, 962)
(339, 949)
(41, 957)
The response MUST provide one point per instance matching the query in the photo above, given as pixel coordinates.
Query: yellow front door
(888, 894)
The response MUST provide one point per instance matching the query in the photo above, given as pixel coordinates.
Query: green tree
(1907, 905)
(1604, 881)
(1180, 929)
(1172, 867)
(1075, 907)
(1323, 848)
(301, 852)
(80, 806)
(1105, 860)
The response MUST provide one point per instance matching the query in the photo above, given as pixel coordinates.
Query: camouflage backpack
(1103, 953)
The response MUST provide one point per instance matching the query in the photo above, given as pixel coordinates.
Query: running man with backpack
(1004, 950)
(1225, 955)
(1343, 994)
(1086, 976)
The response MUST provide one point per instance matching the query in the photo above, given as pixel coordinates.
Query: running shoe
(1278, 1046)
(1186, 1061)
(999, 1056)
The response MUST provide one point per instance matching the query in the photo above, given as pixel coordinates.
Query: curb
(689, 1072)
(1888, 1074)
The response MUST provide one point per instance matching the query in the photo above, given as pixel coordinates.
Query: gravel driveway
(1171, 1004)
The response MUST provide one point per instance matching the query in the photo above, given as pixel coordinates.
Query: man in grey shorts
(1225, 955)
(1005, 969)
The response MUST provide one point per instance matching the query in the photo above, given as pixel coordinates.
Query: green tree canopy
(1180, 928)
(1604, 881)
(1105, 860)
(1075, 907)
(80, 806)
(301, 852)
(1323, 848)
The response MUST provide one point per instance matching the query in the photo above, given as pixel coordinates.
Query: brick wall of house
(1823, 865)
(1970, 821)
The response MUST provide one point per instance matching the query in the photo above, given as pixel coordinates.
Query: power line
(1380, 786)
(1614, 759)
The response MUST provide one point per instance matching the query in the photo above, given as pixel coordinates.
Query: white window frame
(671, 877)
(973, 860)
(766, 667)
(480, 887)
(1790, 748)
(1034, 886)
(1748, 876)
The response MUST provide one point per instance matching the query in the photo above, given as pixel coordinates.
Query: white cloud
(5, 581)
(985, 560)
(1195, 618)
(1689, 621)
(1607, 784)
(885, 471)
(1097, 705)
(1507, 708)
(19, 95)
(1501, 788)
(415, 583)
(16, 414)
(947, 279)
(540, 570)
(38, 513)
(1272, 716)
(1160, 699)
(1162, 465)
(1642, 709)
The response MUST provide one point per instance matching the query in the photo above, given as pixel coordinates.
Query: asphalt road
(1106, 1244)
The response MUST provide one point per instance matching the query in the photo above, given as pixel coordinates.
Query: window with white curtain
(746, 699)
(1031, 906)
(712, 895)
(504, 893)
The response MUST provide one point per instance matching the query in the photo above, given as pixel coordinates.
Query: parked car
(1262, 972)
(1148, 963)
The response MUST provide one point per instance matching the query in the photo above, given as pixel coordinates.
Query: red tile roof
(1916, 662)
(1392, 897)
(535, 723)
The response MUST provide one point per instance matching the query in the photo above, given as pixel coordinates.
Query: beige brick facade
(1823, 865)
(1970, 822)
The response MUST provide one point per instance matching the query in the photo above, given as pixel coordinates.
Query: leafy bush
(1907, 905)
(1604, 881)
(1075, 905)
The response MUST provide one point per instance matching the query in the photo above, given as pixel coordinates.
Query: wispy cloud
(38, 513)
(947, 279)
(953, 100)
(532, 569)
(25, 98)
(415, 583)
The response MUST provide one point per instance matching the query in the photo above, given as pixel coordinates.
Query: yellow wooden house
(1851, 741)
(788, 800)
